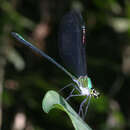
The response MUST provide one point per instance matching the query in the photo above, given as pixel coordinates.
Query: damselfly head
(94, 93)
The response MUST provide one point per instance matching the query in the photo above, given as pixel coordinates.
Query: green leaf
(53, 100)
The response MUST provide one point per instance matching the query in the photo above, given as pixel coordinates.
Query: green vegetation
(25, 77)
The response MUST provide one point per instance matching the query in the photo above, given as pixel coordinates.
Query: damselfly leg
(71, 93)
(81, 107)
(76, 95)
(83, 113)
(86, 109)
(68, 85)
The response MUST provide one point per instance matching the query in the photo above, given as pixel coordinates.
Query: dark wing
(71, 46)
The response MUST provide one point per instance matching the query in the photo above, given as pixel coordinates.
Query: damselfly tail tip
(13, 33)
(17, 36)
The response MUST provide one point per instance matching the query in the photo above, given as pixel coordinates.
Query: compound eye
(93, 90)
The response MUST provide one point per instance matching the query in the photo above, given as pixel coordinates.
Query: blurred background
(25, 77)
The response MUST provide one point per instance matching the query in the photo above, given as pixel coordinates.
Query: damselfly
(72, 53)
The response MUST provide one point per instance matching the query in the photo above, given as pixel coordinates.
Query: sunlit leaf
(54, 100)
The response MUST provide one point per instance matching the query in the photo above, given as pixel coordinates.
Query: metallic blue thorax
(85, 82)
